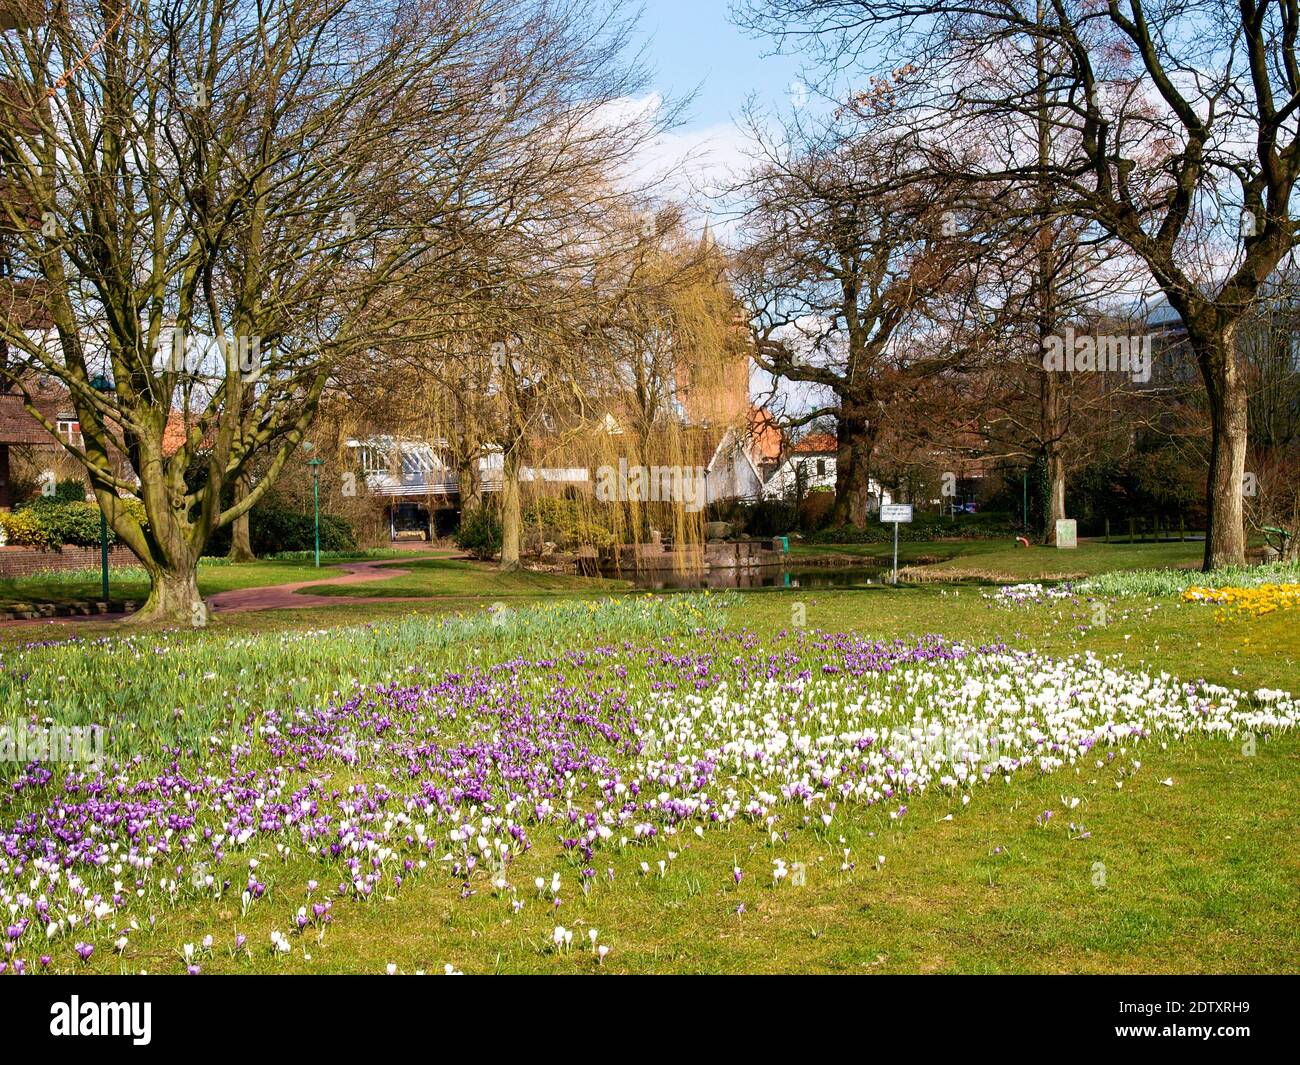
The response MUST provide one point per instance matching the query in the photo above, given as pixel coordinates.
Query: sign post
(897, 513)
(315, 465)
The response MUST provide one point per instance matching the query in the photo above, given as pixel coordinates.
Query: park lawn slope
(1170, 857)
(460, 577)
(1003, 561)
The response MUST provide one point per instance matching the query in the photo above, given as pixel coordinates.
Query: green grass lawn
(459, 577)
(997, 560)
(440, 577)
(453, 584)
(1198, 875)
(132, 584)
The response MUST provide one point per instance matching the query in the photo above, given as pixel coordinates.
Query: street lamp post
(315, 465)
(101, 383)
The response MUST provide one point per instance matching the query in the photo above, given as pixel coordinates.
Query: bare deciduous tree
(1184, 128)
(846, 246)
(228, 195)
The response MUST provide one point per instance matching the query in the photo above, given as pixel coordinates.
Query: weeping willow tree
(656, 369)
(666, 324)
(621, 365)
(577, 319)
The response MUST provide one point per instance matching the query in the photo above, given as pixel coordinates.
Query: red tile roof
(764, 436)
(817, 444)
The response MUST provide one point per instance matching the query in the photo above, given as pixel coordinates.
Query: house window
(821, 467)
(70, 431)
(371, 459)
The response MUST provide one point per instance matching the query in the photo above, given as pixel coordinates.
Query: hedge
(75, 523)
(53, 522)
(273, 529)
(22, 528)
(991, 526)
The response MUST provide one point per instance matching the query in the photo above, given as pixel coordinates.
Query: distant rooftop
(1161, 314)
(817, 444)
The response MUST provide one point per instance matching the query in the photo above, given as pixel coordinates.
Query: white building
(748, 467)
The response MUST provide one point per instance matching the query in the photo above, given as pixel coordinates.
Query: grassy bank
(1180, 858)
(1000, 561)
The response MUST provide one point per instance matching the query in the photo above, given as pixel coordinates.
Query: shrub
(565, 522)
(589, 532)
(770, 517)
(480, 534)
(849, 534)
(273, 529)
(70, 491)
(23, 528)
(75, 523)
(276, 529)
(761, 519)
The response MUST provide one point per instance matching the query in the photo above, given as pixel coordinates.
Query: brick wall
(20, 561)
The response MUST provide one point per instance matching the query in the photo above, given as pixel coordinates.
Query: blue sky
(692, 47)
(691, 43)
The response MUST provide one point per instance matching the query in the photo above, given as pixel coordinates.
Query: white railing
(439, 485)
(446, 483)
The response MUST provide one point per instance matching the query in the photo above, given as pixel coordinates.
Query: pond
(807, 577)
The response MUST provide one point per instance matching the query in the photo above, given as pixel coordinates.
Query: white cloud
(692, 166)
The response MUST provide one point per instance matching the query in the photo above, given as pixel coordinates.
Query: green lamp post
(100, 383)
(315, 465)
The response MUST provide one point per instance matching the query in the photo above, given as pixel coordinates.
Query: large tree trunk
(1225, 532)
(1055, 508)
(1053, 456)
(172, 565)
(170, 556)
(173, 598)
(853, 473)
(241, 544)
(511, 516)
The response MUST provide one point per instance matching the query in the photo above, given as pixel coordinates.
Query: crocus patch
(617, 746)
(1255, 602)
(1018, 594)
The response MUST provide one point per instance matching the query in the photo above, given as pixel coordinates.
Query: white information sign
(895, 513)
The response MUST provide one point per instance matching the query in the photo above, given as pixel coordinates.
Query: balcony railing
(432, 482)
(447, 482)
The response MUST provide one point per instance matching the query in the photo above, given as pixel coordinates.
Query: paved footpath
(287, 596)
